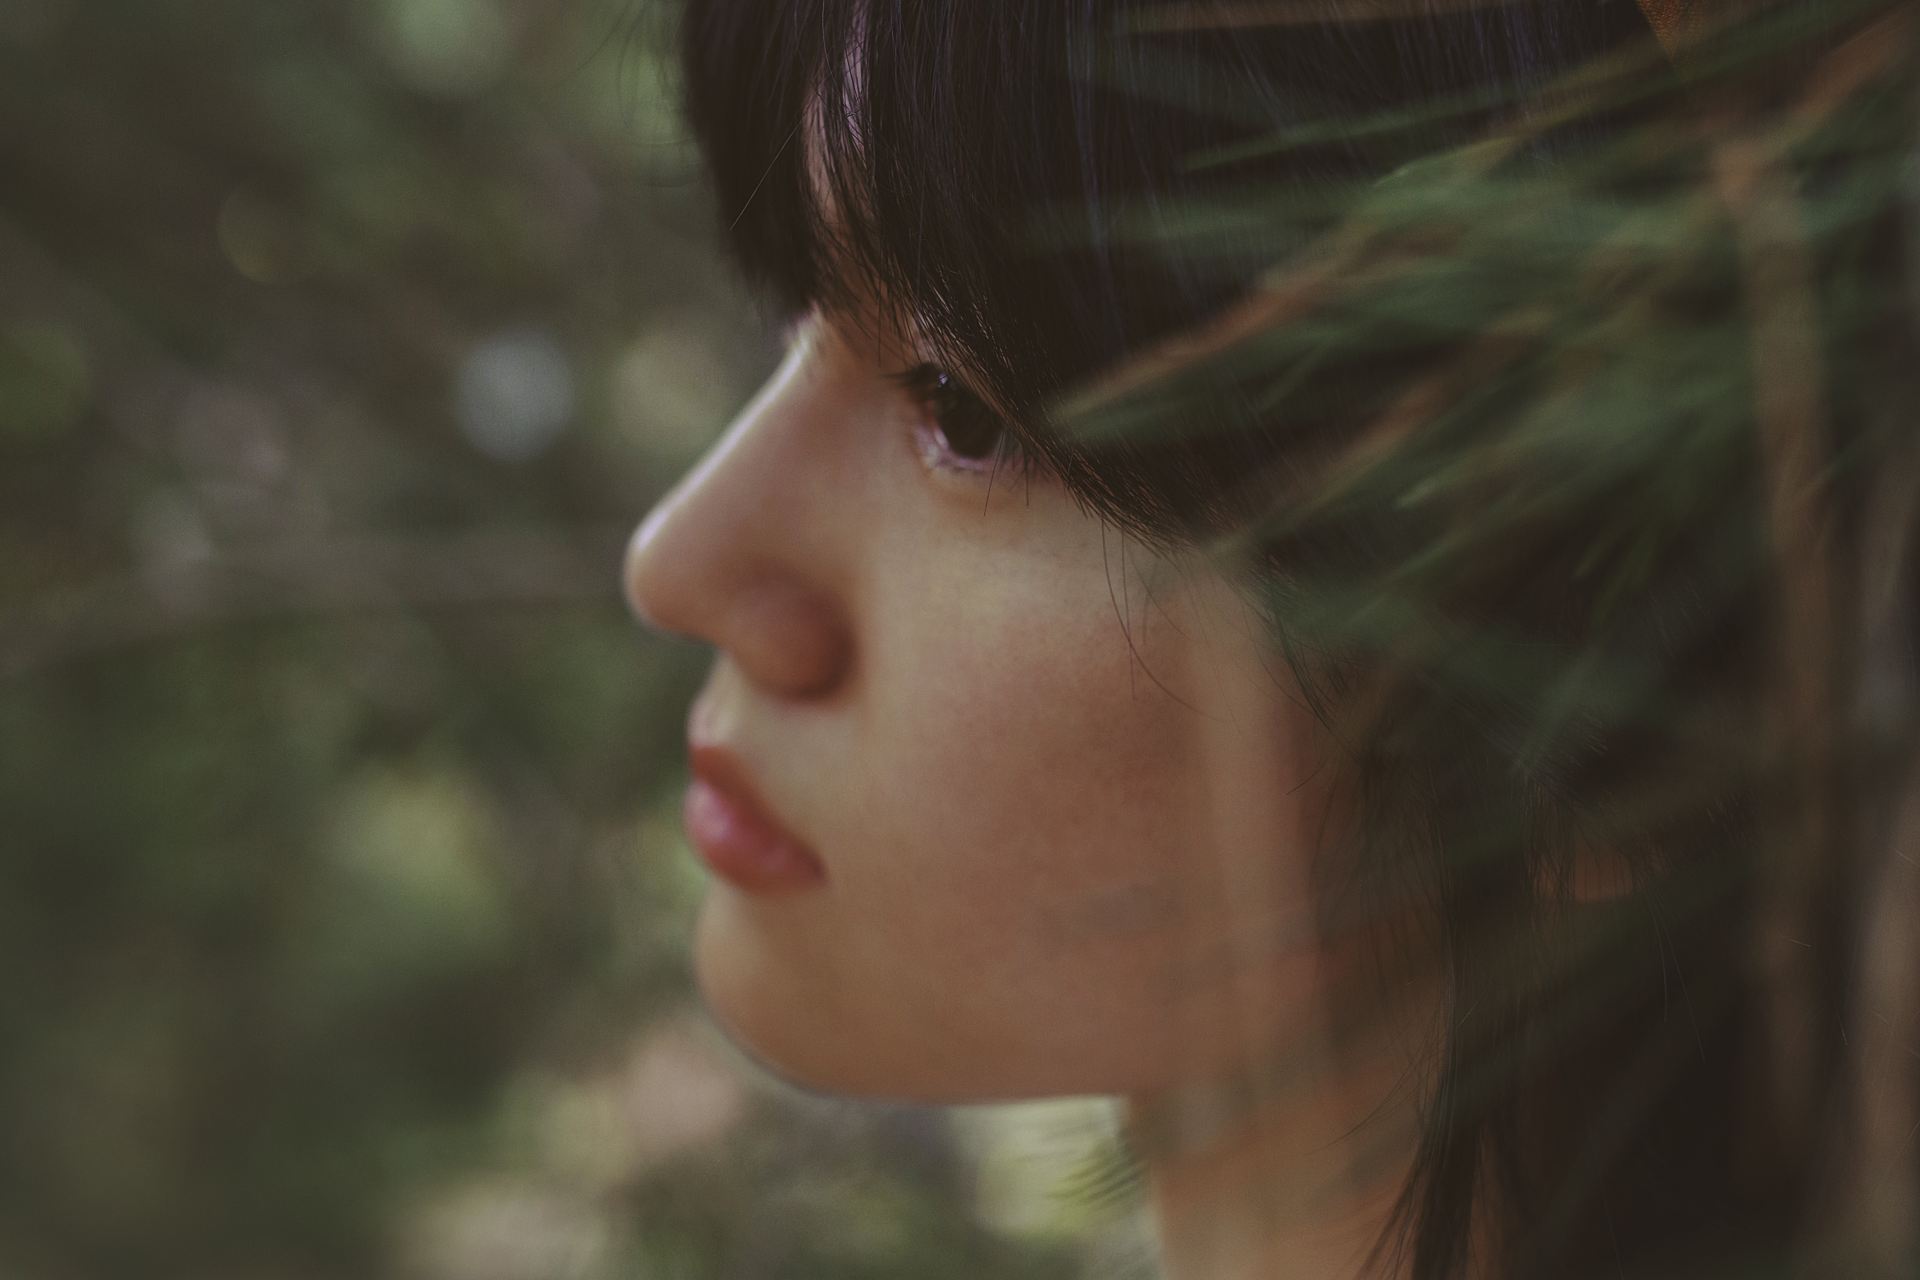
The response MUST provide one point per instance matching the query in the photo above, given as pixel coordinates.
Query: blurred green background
(343, 909)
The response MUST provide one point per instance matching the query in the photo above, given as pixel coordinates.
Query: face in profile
(1001, 770)
(999, 803)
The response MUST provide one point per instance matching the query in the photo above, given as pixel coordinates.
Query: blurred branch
(344, 575)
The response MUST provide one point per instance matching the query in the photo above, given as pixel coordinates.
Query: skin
(1066, 805)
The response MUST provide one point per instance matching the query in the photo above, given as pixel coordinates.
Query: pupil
(969, 427)
(970, 430)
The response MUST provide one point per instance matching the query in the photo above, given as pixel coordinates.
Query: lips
(736, 835)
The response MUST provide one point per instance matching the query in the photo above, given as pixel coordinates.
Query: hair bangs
(1041, 191)
(971, 173)
(859, 166)
(749, 67)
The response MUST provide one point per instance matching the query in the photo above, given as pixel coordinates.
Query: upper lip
(721, 769)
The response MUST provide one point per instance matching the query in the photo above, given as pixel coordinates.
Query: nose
(737, 554)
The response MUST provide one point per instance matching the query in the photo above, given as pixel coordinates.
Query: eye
(956, 429)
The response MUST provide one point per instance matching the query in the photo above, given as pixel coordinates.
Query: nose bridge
(730, 556)
(697, 528)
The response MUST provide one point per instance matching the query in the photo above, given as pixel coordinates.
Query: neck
(1291, 1168)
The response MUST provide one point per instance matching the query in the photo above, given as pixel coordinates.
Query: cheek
(1034, 888)
(1012, 703)
(1040, 827)
(1027, 737)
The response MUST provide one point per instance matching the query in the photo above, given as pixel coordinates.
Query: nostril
(788, 638)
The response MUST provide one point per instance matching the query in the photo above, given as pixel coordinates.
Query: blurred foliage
(341, 901)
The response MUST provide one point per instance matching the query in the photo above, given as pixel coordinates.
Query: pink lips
(735, 835)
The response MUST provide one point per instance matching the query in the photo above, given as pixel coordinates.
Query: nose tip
(746, 555)
(635, 575)
(786, 632)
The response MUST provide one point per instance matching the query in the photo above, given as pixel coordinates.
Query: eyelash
(950, 414)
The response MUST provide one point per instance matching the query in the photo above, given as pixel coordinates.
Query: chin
(755, 991)
(799, 1024)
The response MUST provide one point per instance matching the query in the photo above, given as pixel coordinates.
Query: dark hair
(1558, 385)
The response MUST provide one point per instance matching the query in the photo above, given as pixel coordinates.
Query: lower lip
(742, 847)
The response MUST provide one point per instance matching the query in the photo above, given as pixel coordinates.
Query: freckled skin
(1064, 806)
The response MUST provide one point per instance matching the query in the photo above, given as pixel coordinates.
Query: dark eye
(966, 433)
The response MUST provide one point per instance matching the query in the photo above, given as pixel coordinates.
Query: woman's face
(1056, 801)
